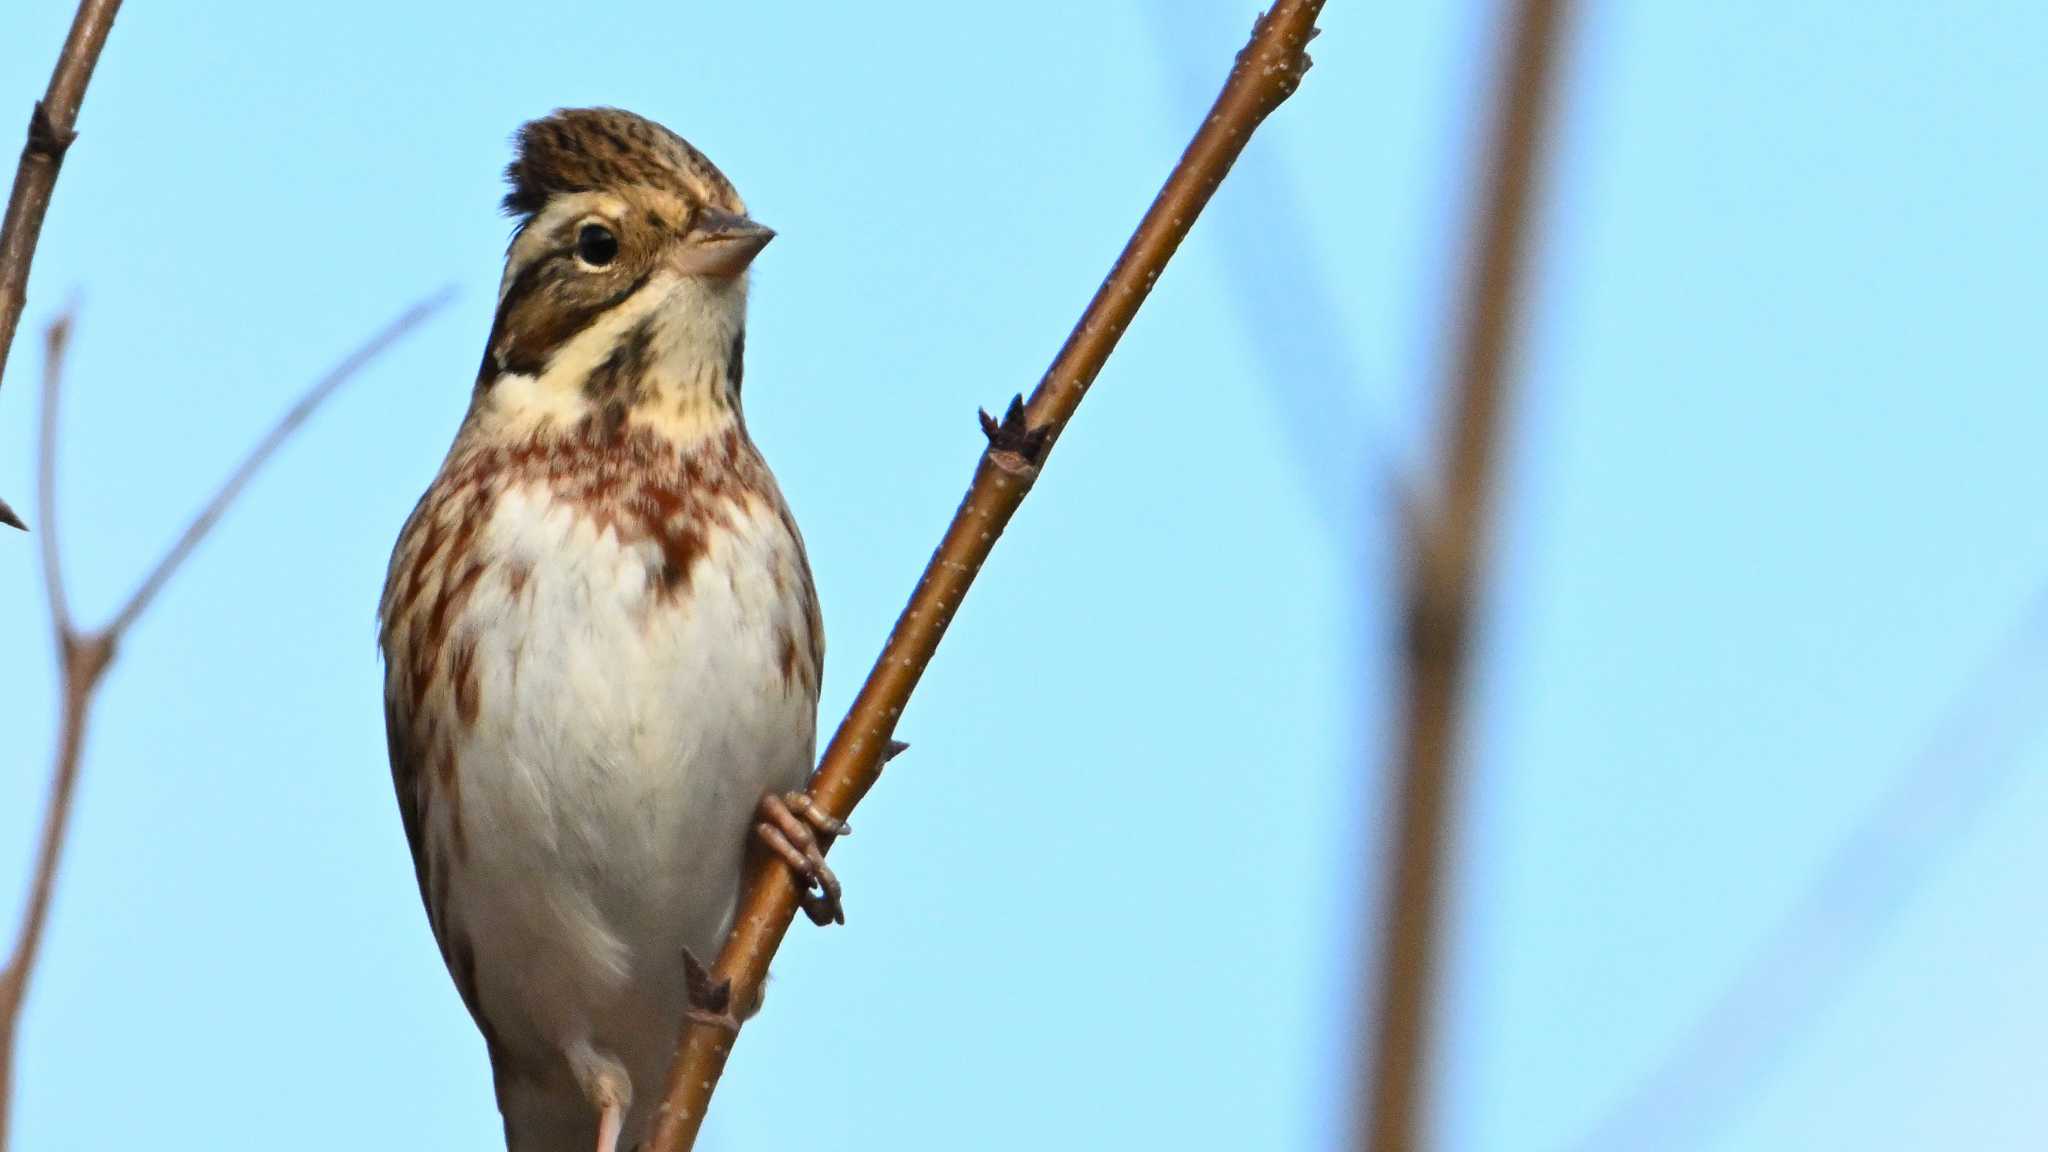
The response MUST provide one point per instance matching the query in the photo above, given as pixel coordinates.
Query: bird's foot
(611, 1124)
(609, 1090)
(795, 828)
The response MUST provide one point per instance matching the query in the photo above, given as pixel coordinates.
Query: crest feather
(585, 149)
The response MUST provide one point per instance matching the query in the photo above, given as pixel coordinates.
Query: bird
(601, 639)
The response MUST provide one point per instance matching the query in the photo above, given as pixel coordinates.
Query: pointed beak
(722, 244)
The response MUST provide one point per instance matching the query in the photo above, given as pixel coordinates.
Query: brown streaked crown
(586, 149)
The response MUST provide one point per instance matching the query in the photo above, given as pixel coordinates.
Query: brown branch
(81, 661)
(83, 657)
(1266, 73)
(1445, 570)
(52, 126)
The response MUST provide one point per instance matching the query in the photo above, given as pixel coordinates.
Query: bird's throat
(668, 360)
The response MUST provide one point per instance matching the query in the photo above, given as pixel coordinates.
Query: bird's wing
(405, 779)
(414, 785)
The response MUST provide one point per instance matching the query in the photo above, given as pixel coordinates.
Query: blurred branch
(260, 455)
(1267, 72)
(1445, 570)
(83, 656)
(1288, 309)
(52, 126)
(55, 339)
(1808, 957)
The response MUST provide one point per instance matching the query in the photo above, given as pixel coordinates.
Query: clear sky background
(1771, 507)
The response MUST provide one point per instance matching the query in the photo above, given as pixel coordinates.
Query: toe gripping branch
(795, 828)
(1013, 445)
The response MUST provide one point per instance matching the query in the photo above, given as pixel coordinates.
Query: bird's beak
(721, 244)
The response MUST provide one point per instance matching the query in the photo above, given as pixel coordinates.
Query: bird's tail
(545, 1118)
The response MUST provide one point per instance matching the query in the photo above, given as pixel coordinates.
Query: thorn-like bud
(43, 137)
(705, 994)
(1013, 444)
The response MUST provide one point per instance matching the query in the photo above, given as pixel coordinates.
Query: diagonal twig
(289, 423)
(1447, 562)
(1267, 72)
(83, 656)
(52, 126)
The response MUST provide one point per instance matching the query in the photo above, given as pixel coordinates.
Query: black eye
(596, 246)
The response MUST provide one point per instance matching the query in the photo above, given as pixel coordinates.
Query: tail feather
(545, 1118)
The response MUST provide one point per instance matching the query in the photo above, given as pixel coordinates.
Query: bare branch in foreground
(1447, 562)
(1267, 72)
(52, 126)
(83, 657)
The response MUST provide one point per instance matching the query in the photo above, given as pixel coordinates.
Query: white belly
(621, 742)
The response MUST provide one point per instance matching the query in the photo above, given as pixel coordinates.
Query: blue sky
(1768, 514)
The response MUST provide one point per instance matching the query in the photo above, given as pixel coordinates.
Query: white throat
(671, 353)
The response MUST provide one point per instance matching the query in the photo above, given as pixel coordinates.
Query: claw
(790, 826)
(802, 804)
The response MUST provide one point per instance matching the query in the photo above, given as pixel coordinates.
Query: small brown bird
(601, 641)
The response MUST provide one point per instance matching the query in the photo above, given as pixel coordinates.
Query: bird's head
(625, 288)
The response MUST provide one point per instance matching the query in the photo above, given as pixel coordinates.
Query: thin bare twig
(83, 656)
(1444, 574)
(260, 455)
(52, 126)
(81, 660)
(1267, 72)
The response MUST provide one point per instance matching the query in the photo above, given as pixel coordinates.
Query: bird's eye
(596, 246)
